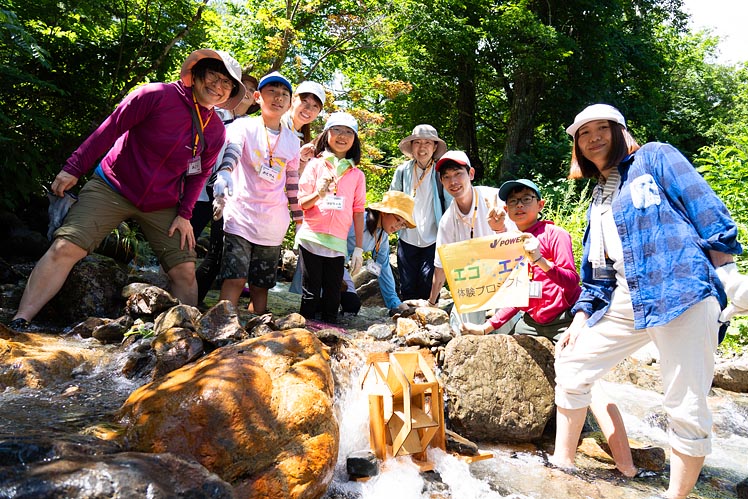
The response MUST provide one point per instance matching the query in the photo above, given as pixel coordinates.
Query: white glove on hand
(357, 261)
(531, 247)
(221, 187)
(736, 288)
(322, 185)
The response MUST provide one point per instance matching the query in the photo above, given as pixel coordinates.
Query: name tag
(270, 173)
(536, 289)
(607, 273)
(373, 267)
(333, 202)
(194, 166)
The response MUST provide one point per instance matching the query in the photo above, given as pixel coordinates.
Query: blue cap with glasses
(509, 186)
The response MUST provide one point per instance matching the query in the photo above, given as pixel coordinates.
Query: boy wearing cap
(158, 147)
(554, 279)
(467, 217)
(418, 178)
(259, 173)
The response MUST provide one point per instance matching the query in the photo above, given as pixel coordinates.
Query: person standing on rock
(554, 288)
(418, 178)
(657, 259)
(158, 148)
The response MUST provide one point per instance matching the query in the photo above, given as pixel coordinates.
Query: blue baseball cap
(507, 187)
(275, 77)
(341, 119)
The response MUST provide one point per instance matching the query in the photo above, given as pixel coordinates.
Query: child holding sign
(332, 193)
(554, 289)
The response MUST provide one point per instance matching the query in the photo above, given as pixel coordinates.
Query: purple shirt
(149, 139)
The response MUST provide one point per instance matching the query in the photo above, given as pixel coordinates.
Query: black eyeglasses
(211, 77)
(525, 200)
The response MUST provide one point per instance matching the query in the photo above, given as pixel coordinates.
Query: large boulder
(499, 388)
(258, 413)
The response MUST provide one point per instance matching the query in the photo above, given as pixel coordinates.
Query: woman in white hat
(418, 178)
(656, 241)
(158, 147)
(393, 213)
(332, 193)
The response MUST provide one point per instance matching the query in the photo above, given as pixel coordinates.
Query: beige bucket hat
(425, 132)
(397, 203)
(232, 66)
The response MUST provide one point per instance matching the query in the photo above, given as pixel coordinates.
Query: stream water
(65, 410)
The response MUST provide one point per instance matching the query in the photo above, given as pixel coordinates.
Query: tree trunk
(524, 104)
(466, 136)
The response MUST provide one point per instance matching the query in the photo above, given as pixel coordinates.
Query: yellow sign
(487, 272)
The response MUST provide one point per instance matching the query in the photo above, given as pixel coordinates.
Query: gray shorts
(245, 260)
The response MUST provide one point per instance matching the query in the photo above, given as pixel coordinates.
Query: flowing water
(65, 410)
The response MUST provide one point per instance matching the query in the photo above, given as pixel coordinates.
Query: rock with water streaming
(361, 464)
(220, 325)
(258, 413)
(113, 331)
(499, 388)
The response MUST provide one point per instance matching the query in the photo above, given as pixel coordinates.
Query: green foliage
(142, 329)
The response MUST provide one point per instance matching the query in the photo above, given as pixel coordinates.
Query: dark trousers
(416, 268)
(321, 279)
(208, 270)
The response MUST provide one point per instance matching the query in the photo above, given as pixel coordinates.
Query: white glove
(222, 186)
(357, 260)
(322, 185)
(736, 289)
(531, 246)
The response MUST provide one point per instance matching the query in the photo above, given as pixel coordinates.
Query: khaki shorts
(245, 260)
(100, 209)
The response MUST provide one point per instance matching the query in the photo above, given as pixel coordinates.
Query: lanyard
(271, 150)
(197, 117)
(425, 171)
(379, 237)
(335, 178)
(475, 213)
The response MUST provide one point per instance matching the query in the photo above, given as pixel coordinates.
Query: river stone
(220, 325)
(499, 388)
(258, 413)
(291, 321)
(150, 300)
(92, 289)
(118, 476)
(182, 316)
(113, 331)
(732, 374)
(174, 348)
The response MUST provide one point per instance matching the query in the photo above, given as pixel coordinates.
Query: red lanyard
(202, 125)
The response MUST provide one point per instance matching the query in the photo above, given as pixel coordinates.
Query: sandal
(19, 325)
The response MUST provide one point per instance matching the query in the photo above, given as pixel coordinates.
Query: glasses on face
(525, 200)
(341, 130)
(211, 77)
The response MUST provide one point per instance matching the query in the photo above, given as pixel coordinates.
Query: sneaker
(19, 325)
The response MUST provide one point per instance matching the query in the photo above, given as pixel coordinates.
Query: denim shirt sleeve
(386, 279)
(596, 294)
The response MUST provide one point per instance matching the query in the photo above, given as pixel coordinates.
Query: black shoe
(19, 325)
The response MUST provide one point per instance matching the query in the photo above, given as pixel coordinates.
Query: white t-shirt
(424, 234)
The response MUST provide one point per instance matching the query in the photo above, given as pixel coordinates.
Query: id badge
(373, 267)
(194, 166)
(270, 173)
(607, 273)
(536, 289)
(333, 202)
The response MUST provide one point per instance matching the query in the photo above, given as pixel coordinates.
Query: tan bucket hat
(397, 203)
(233, 68)
(425, 132)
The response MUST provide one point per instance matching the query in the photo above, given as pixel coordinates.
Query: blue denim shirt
(668, 218)
(382, 257)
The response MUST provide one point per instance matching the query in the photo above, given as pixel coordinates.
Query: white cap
(458, 157)
(341, 119)
(312, 87)
(593, 113)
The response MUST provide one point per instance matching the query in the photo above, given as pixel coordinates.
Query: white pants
(686, 345)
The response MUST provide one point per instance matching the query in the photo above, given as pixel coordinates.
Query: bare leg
(231, 290)
(684, 471)
(611, 423)
(183, 283)
(259, 300)
(569, 423)
(48, 276)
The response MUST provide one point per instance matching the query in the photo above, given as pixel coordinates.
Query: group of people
(658, 250)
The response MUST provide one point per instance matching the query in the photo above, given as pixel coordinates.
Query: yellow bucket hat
(397, 203)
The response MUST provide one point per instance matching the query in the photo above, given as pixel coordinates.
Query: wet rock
(461, 445)
(92, 289)
(220, 325)
(732, 374)
(257, 325)
(430, 336)
(430, 315)
(647, 457)
(174, 348)
(380, 331)
(114, 331)
(742, 489)
(406, 326)
(86, 328)
(644, 374)
(260, 415)
(499, 388)
(288, 265)
(150, 300)
(291, 321)
(140, 359)
(28, 450)
(117, 476)
(362, 463)
(182, 316)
